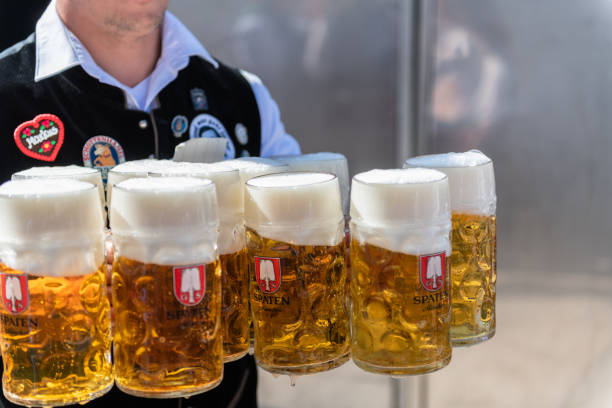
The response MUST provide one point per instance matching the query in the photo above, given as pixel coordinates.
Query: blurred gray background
(530, 84)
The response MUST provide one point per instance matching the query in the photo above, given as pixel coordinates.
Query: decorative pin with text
(40, 138)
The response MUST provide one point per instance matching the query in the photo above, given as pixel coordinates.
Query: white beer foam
(299, 208)
(133, 169)
(402, 210)
(229, 199)
(79, 173)
(51, 227)
(165, 220)
(325, 162)
(250, 167)
(471, 179)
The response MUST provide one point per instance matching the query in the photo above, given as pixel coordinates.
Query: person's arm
(274, 140)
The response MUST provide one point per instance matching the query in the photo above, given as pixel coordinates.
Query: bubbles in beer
(58, 351)
(473, 278)
(91, 292)
(301, 328)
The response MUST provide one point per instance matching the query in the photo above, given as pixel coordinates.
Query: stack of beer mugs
(202, 252)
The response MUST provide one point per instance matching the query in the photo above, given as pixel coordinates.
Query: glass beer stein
(474, 239)
(295, 248)
(400, 284)
(166, 287)
(55, 315)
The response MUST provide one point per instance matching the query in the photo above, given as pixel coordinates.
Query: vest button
(143, 124)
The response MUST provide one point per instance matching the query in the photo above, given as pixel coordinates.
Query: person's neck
(130, 58)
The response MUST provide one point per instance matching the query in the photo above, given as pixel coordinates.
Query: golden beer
(399, 327)
(303, 327)
(162, 347)
(57, 352)
(474, 240)
(235, 314)
(473, 277)
(55, 328)
(298, 280)
(400, 281)
(166, 287)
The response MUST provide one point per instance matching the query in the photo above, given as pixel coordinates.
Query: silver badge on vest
(199, 99)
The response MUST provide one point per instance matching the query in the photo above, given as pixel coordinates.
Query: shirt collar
(58, 50)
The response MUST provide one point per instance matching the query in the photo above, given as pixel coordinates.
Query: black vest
(219, 100)
(88, 109)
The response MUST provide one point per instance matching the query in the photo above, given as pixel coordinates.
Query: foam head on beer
(229, 197)
(51, 227)
(402, 210)
(250, 167)
(80, 173)
(302, 208)
(325, 162)
(471, 179)
(165, 220)
(134, 169)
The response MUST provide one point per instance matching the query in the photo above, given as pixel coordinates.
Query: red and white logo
(189, 284)
(268, 273)
(15, 294)
(432, 270)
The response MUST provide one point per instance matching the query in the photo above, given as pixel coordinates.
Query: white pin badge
(242, 134)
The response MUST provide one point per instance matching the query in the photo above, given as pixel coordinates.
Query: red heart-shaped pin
(41, 138)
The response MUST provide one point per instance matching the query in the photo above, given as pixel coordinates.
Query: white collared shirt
(58, 49)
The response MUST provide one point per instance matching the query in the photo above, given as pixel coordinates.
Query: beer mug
(400, 284)
(235, 316)
(295, 248)
(55, 316)
(474, 240)
(250, 167)
(166, 287)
